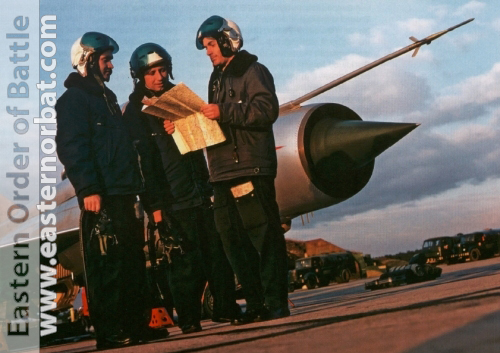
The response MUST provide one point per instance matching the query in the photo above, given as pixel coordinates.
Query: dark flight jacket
(181, 180)
(248, 105)
(93, 143)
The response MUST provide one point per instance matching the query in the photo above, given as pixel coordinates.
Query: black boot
(115, 341)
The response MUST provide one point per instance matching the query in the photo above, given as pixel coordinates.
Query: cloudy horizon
(441, 179)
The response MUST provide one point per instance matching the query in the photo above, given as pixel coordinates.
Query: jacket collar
(140, 91)
(88, 84)
(240, 63)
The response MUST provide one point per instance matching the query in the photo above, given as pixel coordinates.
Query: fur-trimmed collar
(240, 63)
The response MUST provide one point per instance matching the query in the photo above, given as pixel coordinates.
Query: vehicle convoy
(472, 246)
(320, 270)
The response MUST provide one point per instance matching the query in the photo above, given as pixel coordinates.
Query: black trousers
(218, 270)
(203, 259)
(115, 273)
(254, 241)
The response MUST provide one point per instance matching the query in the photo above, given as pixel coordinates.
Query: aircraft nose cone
(340, 148)
(359, 141)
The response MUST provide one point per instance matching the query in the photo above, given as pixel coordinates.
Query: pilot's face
(105, 64)
(213, 52)
(155, 78)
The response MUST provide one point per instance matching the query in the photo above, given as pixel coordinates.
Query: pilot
(182, 181)
(242, 99)
(101, 164)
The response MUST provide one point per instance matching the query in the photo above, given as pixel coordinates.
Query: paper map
(193, 131)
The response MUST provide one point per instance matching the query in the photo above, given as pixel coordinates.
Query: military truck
(461, 247)
(320, 270)
(440, 249)
(478, 245)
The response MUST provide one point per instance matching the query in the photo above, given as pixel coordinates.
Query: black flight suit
(183, 183)
(97, 152)
(249, 226)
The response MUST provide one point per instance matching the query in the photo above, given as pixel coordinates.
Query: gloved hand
(169, 228)
(171, 235)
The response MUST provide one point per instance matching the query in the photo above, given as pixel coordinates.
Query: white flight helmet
(85, 46)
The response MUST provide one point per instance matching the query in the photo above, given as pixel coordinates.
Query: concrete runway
(458, 312)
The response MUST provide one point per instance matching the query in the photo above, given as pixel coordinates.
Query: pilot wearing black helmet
(182, 182)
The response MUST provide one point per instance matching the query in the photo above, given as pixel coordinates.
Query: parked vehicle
(411, 273)
(478, 245)
(440, 249)
(461, 247)
(320, 270)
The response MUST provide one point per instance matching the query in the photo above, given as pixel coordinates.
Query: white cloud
(440, 11)
(474, 98)
(496, 24)
(356, 39)
(387, 90)
(466, 39)
(473, 132)
(403, 227)
(481, 89)
(375, 37)
(470, 9)
(417, 26)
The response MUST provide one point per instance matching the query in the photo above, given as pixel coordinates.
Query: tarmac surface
(458, 312)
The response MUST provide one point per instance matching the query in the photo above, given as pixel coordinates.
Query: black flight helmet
(146, 56)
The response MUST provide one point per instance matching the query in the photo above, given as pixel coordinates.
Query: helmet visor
(148, 55)
(210, 28)
(150, 59)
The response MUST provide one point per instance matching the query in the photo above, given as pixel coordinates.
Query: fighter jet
(325, 152)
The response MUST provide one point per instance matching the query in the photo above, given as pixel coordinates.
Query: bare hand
(211, 111)
(92, 203)
(169, 127)
(157, 216)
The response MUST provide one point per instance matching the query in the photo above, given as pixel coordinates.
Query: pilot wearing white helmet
(101, 164)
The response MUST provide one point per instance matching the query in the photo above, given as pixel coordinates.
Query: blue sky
(442, 179)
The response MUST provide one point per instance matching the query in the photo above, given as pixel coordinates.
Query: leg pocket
(251, 211)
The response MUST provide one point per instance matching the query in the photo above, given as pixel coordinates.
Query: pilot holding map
(243, 168)
(182, 181)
